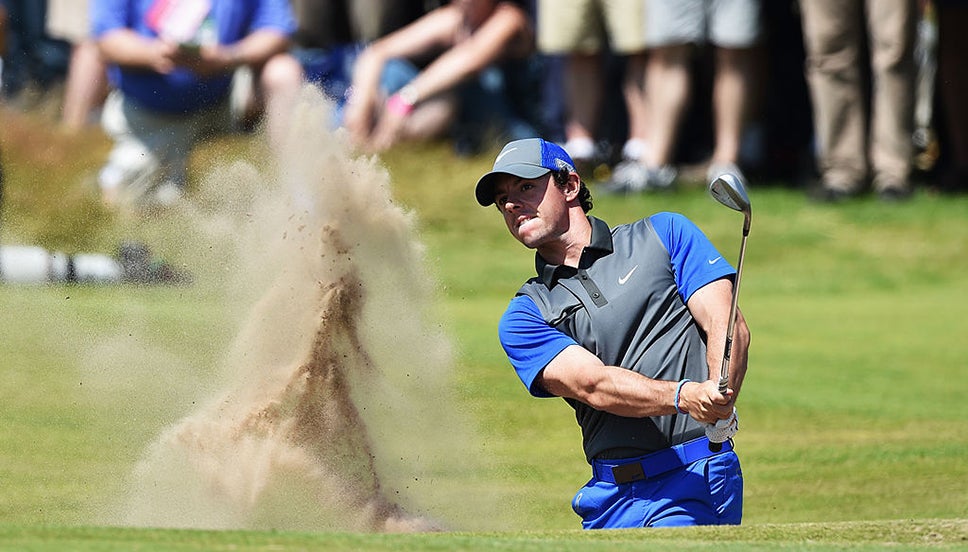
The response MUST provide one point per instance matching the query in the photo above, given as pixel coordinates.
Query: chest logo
(623, 279)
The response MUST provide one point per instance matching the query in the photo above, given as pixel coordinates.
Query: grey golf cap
(528, 158)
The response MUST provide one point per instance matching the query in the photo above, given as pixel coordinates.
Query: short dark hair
(584, 195)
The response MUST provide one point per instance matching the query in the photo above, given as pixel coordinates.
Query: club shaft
(724, 369)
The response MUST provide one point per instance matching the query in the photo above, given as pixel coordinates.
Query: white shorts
(68, 20)
(151, 149)
(723, 23)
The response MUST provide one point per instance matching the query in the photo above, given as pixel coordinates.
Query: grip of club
(723, 387)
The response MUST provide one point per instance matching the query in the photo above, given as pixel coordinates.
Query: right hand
(704, 403)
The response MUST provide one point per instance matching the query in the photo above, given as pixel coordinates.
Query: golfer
(628, 325)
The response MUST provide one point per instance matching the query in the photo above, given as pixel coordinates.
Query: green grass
(854, 430)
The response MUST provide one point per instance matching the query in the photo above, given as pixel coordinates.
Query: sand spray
(335, 407)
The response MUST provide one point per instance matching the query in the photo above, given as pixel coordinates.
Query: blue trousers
(668, 491)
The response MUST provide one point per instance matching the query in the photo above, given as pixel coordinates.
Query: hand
(723, 430)
(704, 403)
(388, 130)
(207, 60)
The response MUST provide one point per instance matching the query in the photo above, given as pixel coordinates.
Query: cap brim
(485, 186)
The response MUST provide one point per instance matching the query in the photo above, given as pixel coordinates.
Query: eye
(501, 200)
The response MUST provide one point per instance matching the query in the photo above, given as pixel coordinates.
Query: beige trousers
(849, 147)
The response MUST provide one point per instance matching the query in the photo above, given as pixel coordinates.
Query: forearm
(255, 49)
(127, 48)
(738, 358)
(578, 374)
(621, 392)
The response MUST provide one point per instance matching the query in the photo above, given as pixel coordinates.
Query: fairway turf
(853, 430)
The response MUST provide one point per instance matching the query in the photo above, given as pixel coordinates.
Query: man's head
(528, 159)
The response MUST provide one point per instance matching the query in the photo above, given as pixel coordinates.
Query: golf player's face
(534, 209)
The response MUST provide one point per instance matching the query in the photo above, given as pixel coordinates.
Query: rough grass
(853, 433)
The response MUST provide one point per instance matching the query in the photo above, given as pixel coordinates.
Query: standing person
(583, 31)
(478, 77)
(171, 67)
(674, 29)
(628, 325)
(848, 148)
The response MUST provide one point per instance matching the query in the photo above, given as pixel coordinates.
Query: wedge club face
(729, 190)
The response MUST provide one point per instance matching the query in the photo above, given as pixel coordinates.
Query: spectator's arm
(127, 48)
(494, 40)
(256, 48)
(436, 30)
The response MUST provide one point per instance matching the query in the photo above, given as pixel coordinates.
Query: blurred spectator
(172, 70)
(86, 86)
(33, 61)
(479, 81)
(674, 28)
(587, 33)
(331, 33)
(843, 38)
(952, 84)
(3, 33)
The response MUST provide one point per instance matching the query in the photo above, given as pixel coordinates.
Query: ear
(572, 187)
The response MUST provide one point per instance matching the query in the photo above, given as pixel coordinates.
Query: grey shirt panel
(623, 305)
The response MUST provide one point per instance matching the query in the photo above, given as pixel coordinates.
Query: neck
(567, 249)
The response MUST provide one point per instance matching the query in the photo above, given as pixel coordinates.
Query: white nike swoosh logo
(621, 281)
(714, 261)
(503, 153)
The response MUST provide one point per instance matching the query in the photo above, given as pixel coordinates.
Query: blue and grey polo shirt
(626, 303)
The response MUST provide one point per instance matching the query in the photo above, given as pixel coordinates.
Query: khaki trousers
(849, 147)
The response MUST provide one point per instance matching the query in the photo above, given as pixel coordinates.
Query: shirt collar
(599, 246)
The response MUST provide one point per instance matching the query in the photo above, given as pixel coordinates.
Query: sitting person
(171, 67)
(481, 53)
(330, 34)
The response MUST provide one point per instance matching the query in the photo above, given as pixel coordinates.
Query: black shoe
(895, 194)
(137, 267)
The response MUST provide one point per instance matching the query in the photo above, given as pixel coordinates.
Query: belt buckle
(627, 473)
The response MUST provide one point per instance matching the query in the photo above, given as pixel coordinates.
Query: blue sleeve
(695, 260)
(529, 341)
(108, 15)
(276, 15)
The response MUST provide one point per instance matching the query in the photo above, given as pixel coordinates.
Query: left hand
(723, 430)
(207, 60)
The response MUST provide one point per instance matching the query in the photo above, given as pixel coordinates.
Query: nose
(510, 203)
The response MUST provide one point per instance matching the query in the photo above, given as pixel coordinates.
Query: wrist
(679, 395)
(403, 101)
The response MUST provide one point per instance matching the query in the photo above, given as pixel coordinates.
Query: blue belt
(655, 464)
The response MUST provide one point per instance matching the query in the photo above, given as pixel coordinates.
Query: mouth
(522, 220)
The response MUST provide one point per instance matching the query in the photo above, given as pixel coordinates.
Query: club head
(729, 190)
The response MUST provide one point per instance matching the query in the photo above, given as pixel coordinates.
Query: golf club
(728, 190)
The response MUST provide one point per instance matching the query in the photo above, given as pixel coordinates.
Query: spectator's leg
(732, 87)
(832, 34)
(86, 88)
(279, 82)
(637, 106)
(892, 30)
(583, 97)
(667, 85)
